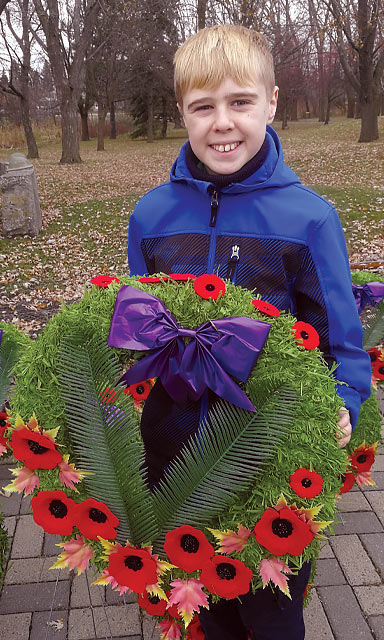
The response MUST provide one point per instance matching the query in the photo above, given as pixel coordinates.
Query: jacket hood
(273, 172)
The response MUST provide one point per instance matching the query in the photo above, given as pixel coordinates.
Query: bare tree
(358, 28)
(67, 32)
(18, 83)
(3, 4)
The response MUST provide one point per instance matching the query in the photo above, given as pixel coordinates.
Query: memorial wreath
(249, 497)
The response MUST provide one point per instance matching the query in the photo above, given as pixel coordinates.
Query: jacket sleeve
(136, 262)
(324, 298)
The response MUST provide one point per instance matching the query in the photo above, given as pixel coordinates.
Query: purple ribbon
(215, 351)
(368, 294)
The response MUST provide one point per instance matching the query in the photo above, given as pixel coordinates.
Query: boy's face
(227, 125)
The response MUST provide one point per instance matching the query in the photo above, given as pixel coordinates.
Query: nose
(223, 119)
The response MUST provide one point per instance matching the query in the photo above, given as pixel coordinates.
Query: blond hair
(215, 53)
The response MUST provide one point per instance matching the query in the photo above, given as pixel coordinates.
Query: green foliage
(106, 440)
(224, 459)
(11, 345)
(374, 332)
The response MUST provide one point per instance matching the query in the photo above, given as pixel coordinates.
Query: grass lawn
(86, 207)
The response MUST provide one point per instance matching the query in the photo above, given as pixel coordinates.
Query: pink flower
(77, 555)
(105, 578)
(274, 570)
(231, 541)
(68, 474)
(25, 480)
(170, 629)
(189, 596)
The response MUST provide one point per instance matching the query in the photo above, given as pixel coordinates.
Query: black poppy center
(306, 483)
(282, 528)
(189, 544)
(2, 422)
(133, 562)
(210, 287)
(381, 371)
(342, 479)
(225, 571)
(36, 448)
(361, 458)
(58, 509)
(97, 516)
(154, 599)
(304, 335)
(373, 357)
(140, 389)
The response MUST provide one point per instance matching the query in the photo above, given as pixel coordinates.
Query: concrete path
(41, 604)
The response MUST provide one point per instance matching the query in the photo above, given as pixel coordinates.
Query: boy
(232, 207)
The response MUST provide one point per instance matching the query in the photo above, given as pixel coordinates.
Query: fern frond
(105, 437)
(221, 461)
(374, 333)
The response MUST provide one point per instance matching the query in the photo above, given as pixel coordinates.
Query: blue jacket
(268, 233)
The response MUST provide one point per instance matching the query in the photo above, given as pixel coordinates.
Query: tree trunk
(150, 114)
(101, 115)
(369, 126)
(33, 151)
(84, 126)
(328, 112)
(70, 153)
(201, 10)
(112, 121)
(293, 110)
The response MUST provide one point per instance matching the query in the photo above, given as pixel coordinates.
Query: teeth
(227, 147)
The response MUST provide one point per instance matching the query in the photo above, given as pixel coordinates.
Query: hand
(343, 434)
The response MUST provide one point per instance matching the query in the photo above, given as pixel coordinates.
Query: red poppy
(363, 458)
(35, 450)
(195, 630)
(139, 391)
(182, 277)
(306, 483)
(374, 354)
(378, 369)
(266, 307)
(226, 577)
(348, 481)
(104, 281)
(282, 532)
(152, 280)
(209, 286)
(305, 335)
(153, 605)
(133, 568)
(187, 548)
(93, 519)
(54, 511)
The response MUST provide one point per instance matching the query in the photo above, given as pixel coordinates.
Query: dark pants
(267, 615)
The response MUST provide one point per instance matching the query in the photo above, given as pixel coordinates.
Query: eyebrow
(231, 96)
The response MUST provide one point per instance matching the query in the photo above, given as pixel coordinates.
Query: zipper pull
(214, 207)
(235, 257)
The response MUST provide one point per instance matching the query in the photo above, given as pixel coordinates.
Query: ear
(180, 109)
(273, 105)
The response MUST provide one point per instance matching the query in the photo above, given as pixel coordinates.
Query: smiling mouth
(224, 148)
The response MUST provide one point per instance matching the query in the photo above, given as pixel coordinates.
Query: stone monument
(21, 213)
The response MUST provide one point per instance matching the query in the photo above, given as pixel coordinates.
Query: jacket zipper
(212, 223)
(235, 256)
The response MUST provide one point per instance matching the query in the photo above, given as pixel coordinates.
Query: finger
(344, 441)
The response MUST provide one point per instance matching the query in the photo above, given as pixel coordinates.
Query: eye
(241, 103)
(203, 107)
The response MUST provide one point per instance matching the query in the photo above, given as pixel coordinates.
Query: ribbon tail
(150, 366)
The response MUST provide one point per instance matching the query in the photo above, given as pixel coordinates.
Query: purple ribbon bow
(215, 351)
(367, 294)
